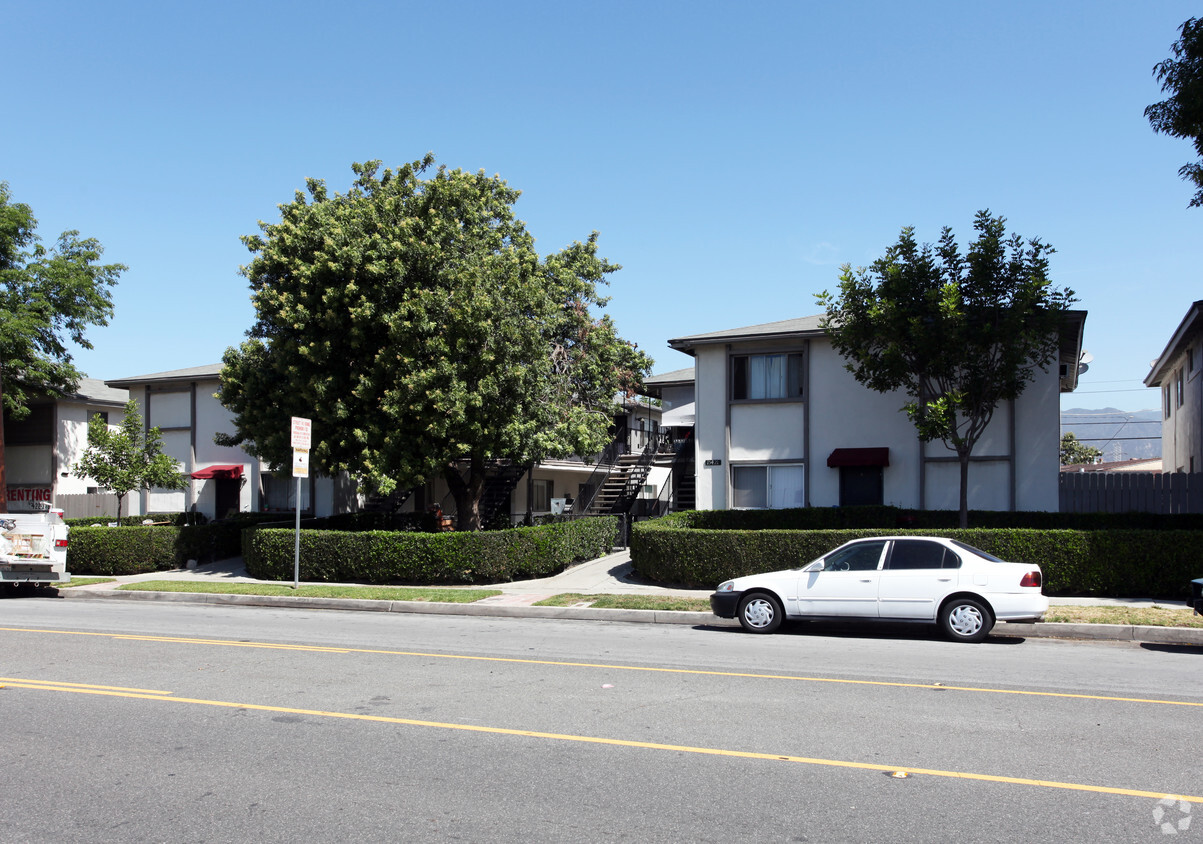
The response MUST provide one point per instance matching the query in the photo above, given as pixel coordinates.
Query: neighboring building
(1134, 464)
(1177, 372)
(780, 422)
(183, 405)
(41, 450)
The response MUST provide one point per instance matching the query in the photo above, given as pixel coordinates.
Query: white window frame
(771, 490)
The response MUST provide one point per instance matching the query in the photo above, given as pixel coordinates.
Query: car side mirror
(817, 565)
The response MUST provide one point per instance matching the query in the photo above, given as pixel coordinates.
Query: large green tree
(958, 333)
(128, 458)
(413, 321)
(48, 299)
(1181, 115)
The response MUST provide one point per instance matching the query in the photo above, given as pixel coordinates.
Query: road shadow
(1172, 649)
(871, 630)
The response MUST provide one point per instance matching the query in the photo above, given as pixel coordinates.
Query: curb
(1039, 630)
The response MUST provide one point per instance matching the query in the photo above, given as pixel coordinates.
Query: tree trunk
(467, 493)
(964, 461)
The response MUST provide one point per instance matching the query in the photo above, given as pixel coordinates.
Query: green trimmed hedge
(428, 558)
(1122, 562)
(122, 550)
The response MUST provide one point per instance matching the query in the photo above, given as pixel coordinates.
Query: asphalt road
(146, 722)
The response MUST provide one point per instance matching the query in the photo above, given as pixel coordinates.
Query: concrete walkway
(606, 575)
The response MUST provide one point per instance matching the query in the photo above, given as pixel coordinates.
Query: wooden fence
(83, 506)
(1127, 492)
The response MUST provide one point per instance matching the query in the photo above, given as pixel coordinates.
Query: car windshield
(984, 555)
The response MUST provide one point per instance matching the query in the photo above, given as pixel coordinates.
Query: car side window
(863, 556)
(918, 554)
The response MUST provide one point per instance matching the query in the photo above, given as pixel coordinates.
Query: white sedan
(892, 578)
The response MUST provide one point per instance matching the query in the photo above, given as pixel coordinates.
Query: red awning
(859, 457)
(233, 471)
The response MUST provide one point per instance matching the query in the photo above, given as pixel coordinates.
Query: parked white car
(895, 578)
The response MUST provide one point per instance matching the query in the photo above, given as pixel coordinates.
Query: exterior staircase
(498, 487)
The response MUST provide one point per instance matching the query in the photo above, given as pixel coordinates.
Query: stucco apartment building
(780, 422)
(1178, 371)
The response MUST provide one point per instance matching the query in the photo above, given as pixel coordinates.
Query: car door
(847, 583)
(917, 574)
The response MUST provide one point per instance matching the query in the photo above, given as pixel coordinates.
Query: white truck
(33, 548)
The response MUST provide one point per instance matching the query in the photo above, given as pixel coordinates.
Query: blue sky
(731, 155)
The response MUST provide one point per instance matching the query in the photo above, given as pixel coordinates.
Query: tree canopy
(413, 321)
(958, 333)
(126, 459)
(1073, 451)
(48, 299)
(1181, 114)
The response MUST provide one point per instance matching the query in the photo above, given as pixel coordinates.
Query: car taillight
(1032, 578)
(60, 543)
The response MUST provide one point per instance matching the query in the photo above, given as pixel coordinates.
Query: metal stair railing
(606, 460)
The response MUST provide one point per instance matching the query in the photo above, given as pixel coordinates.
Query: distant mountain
(1121, 434)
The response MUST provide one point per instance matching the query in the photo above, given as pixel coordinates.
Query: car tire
(760, 612)
(965, 620)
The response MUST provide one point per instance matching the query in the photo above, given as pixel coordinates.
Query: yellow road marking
(70, 687)
(606, 666)
(39, 685)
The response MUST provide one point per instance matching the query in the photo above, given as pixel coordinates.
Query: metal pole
(296, 554)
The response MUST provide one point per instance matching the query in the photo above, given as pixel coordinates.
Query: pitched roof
(94, 391)
(1190, 327)
(801, 327)
(664, 379)
(209, 372)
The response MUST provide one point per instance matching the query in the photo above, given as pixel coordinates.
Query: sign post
(301, 441)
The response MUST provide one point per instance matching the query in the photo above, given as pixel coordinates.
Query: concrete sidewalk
(606, 575)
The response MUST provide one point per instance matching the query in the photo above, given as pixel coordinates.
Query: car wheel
(965, 620)
(760, 613)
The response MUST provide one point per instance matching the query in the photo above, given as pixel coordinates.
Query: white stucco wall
(845, 414)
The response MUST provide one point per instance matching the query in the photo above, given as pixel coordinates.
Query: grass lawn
(371, 593)
(1148, 617)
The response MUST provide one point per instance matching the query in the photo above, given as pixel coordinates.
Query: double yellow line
(167, 697)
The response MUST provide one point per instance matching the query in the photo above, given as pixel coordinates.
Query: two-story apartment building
(780, 422)
(1178, 371)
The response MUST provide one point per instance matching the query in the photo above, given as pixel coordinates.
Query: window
(766, 377)
(917, 554)
(767, 487)
(1179, 391)
(1165, 397)
(541, 500)
(280, 493)
(37, 428)
(863, 556)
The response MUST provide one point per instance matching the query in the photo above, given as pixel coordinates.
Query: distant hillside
(1122, 435)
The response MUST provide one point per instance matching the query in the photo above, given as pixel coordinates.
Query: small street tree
(128, 459)
(1074, 452)
(413, 321)
(48, 297)
(1181, 115)
(957, 333)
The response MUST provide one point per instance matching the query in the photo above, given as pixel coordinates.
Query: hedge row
(427, 558)
(1113, 563)
(892, 518)
(123, 550)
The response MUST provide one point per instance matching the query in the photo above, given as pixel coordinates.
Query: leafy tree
(127, 459)
(48, 297)
(1074, 452)
(958, 333)
(1181, 116)
(413, 321)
